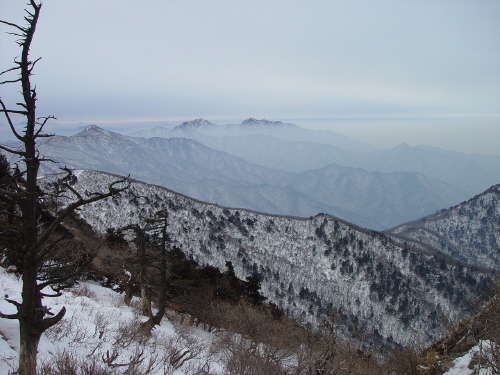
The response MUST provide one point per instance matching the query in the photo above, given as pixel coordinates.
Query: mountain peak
(403, 145)
(196, 124)
(94, 130)
(252, 122)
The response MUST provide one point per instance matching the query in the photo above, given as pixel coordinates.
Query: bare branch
(10, 81)
(22, 29)
(73, 206)
(33, 65)
(24, 113)
(19, 35)
(45, 159)
(57, 294)
(15, 303)
(49, 322)
(43, 123)
(10, 70)
(9, 316)
(11, 124)
(75, 273)
(9, 193)
(20, 153)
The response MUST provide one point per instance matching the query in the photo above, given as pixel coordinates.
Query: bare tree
(153, 234)
(164, 241)
(29, 222)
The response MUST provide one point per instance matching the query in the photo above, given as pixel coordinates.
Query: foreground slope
(371, 199)
(309, 267)
(467, 231)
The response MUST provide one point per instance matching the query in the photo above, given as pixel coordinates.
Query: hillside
(467, 232)
(309, 267)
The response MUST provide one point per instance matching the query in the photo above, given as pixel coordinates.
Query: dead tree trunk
(32, 248)
(162, 266)
(142, 260)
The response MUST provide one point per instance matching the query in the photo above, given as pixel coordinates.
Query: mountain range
(372, 199)
(291, 148)
(392, 291)
(291, 132)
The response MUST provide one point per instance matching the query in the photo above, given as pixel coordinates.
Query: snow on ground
(99, 329)
(467, 365)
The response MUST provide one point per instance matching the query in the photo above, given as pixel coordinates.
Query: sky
(384, 72)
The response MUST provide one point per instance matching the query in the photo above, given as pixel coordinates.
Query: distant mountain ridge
(287, 147)
(371, 199)
(196, 124)
(291, 132)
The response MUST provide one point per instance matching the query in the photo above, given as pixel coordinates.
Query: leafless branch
(20, 153)
(10, 81)
(15, 303)
(76, 272)
(9, 193)
(11, 124)
(22, 29)
(10, 70)
(9, 316)
(49, 322)
(43, 123)
(32, 64)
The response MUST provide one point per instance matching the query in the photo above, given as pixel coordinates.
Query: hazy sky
(382, 71)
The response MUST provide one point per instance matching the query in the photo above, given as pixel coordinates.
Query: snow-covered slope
(100, 332)
(309, 266)
(467, 231)
(98, 326)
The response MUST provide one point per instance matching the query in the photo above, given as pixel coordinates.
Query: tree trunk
(128, 296)
(29, 333)
(145, 298)
(143, 261)
(162, 300)
(29, 339)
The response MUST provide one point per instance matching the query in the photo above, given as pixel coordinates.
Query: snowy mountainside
(98, 326)
(309, 266)
(467, 232)
(197, 124)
